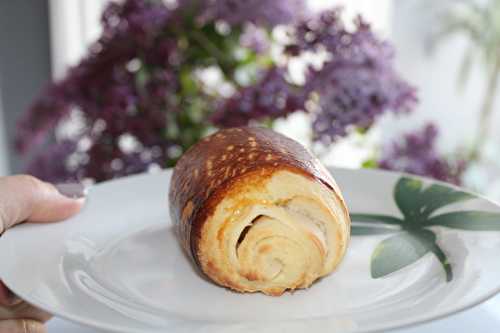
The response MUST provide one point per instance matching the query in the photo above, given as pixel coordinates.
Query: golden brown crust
(213, 167)
(227, 155)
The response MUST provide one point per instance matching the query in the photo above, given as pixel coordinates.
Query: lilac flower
(271, 98)
(107, 92)
(354, 86)
(140, 20)
(268, 13)
(32, 128)
(416, 153)
(255, 38)
(139, 80)
(51, 164)
(109, 161)
(357, 83)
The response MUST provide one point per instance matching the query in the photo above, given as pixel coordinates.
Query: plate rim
(414, 321)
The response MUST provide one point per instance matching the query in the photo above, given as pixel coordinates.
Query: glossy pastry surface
(257, 212)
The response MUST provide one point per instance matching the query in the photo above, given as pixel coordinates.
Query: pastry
(257, 212)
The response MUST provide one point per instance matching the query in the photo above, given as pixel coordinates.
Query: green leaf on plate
(437, 196)
(467, 220)
(401, 250)
(368, 230)
(441, 256)
(376, 218)
(407, 194)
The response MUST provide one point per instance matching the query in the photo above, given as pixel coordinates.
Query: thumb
(21, 326)
(25, 198)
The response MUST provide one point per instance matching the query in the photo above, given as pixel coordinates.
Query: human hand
(27, 199)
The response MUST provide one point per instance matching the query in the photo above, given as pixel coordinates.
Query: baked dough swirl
(257, 212)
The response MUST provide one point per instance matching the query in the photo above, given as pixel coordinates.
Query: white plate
(118, 266)
(484, 318)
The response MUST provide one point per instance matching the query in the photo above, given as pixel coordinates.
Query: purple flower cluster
(139, 80)
(129, 83)
(267, 13)
(416, 153)
(104, 89)
(356, 83)
(255, 38)
(52, 165)
(272, 98)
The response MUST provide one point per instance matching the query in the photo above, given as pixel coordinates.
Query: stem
(485, 115)
(444, 261)
(222, 59)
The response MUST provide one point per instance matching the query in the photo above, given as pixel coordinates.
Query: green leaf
(407, 196)
(267, 123)
(401, 250)
(368, 230)
(188, 84)
(362, 130)
(437, 196)
(444, 261)
(141, 78)
(376, 218)
(248, 58)
(370, 164)
(467, 220)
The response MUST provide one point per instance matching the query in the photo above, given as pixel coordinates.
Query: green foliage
(376, 218)
(202, 48)
(370, 164)
(411, 237)
(467, 220)
(365, 230)
(480, 24)
(399, 251)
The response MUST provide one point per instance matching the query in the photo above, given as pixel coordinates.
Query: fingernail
(72, 190)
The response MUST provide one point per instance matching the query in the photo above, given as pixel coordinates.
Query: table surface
(484, 318)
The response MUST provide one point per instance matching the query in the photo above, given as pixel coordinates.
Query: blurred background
(93, 90)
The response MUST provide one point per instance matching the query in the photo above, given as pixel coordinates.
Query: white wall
(435, 75)
(74, 26)
(24, 67)
(409, 25)
(377, 12)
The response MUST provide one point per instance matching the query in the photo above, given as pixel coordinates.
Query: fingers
(23, 310)
(25, 198)
(7, 297)
(22, 326)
